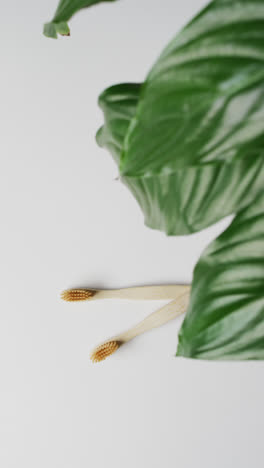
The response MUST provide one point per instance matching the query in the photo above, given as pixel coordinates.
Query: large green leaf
(203, 100)
(190, 198)
(193, 149)
(66, 9)
(225, 319)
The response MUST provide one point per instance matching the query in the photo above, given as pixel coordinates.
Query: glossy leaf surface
(203, 100)
(189, 199)
(192, 152)
(225, 319)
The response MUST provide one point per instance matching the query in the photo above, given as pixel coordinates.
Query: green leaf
(53, 29)
(193, 150)
(119, 105)
(66, 9)
(225, 318)
(190, 198)
(203, 100)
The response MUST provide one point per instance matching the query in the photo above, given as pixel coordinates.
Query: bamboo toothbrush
(138, 293)
(156, 319)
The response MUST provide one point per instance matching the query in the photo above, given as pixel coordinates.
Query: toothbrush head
(72, 295)
(104, 350)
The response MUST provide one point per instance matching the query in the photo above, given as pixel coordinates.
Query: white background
(66, 222)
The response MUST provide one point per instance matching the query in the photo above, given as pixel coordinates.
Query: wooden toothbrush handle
(160, 317)
(148, 293)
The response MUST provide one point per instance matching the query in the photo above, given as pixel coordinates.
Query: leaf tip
(52, 29)
(49, 30)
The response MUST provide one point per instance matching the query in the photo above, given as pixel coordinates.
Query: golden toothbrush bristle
(72, 295)
(105, 350)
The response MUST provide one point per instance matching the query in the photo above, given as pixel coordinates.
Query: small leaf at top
(65, 10)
